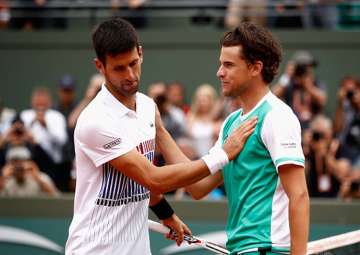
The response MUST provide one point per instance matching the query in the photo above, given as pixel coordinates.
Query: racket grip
(155, 226)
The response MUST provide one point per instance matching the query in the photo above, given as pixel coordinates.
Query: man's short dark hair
(258, 44)
(112, 37)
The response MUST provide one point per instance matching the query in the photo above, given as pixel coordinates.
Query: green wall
(188, 54)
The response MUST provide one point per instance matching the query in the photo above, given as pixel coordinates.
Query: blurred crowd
(37, 151)
(318, 14)
(44, 14)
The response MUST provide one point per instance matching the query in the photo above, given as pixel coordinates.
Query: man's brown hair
(258, 44)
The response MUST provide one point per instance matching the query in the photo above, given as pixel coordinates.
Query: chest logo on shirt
(112, 143)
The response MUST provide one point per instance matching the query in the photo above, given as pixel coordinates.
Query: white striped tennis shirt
(110, 209)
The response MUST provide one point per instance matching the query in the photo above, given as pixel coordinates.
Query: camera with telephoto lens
(19, 131)
(350, 94)
(300, 70)
(317, 136)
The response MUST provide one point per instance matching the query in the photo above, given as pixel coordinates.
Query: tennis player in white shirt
(115, 139)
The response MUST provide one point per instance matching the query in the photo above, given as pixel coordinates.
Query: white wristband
(216, 159)
(284, 80)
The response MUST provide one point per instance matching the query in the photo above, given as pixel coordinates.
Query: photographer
(18, 135)
(22, 177)
(326, 175)
(299, 88)
(347, 120)
(48, 127)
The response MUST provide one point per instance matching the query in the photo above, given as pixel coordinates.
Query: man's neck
(252, 96)
(128, 101)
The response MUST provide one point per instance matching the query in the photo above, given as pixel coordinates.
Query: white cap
(18, 153)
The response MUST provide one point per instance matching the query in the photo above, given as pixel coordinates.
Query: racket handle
(155, 226)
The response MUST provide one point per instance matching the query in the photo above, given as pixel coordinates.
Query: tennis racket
(218, 249)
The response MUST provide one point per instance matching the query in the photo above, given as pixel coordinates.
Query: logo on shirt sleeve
(112, 143)
(288, 145)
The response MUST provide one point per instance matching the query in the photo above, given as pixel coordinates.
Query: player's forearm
(167, 178)
(203, 187)
(155, 198)
(299, 222)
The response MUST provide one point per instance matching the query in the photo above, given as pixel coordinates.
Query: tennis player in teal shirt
(268, 202)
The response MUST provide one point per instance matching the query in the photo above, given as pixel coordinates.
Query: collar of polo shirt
(114, 103)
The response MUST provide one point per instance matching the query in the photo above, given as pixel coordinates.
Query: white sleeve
(281, 134)
(102, 142)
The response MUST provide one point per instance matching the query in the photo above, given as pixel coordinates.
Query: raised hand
(236, 140)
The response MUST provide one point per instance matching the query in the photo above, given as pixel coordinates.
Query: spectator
(22, 177)
(4, 14)
(173, 118)
(66, 92)
(351, 190)
(324, 177)
(155, 89)
(36, 14)
(347, 120)
(48, 127)
(299, 88)
(321, 14)
(176, 96)
(66, 104)
(350, 186)
(135, 14)
(201, 124)
(31, 16)
(245, 10)
(286, 14)
(187, 147)
(19, 135)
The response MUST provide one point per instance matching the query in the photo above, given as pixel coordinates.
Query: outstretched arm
(161, 179)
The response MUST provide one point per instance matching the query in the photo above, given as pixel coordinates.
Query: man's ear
(99, 65)
(257, 68)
